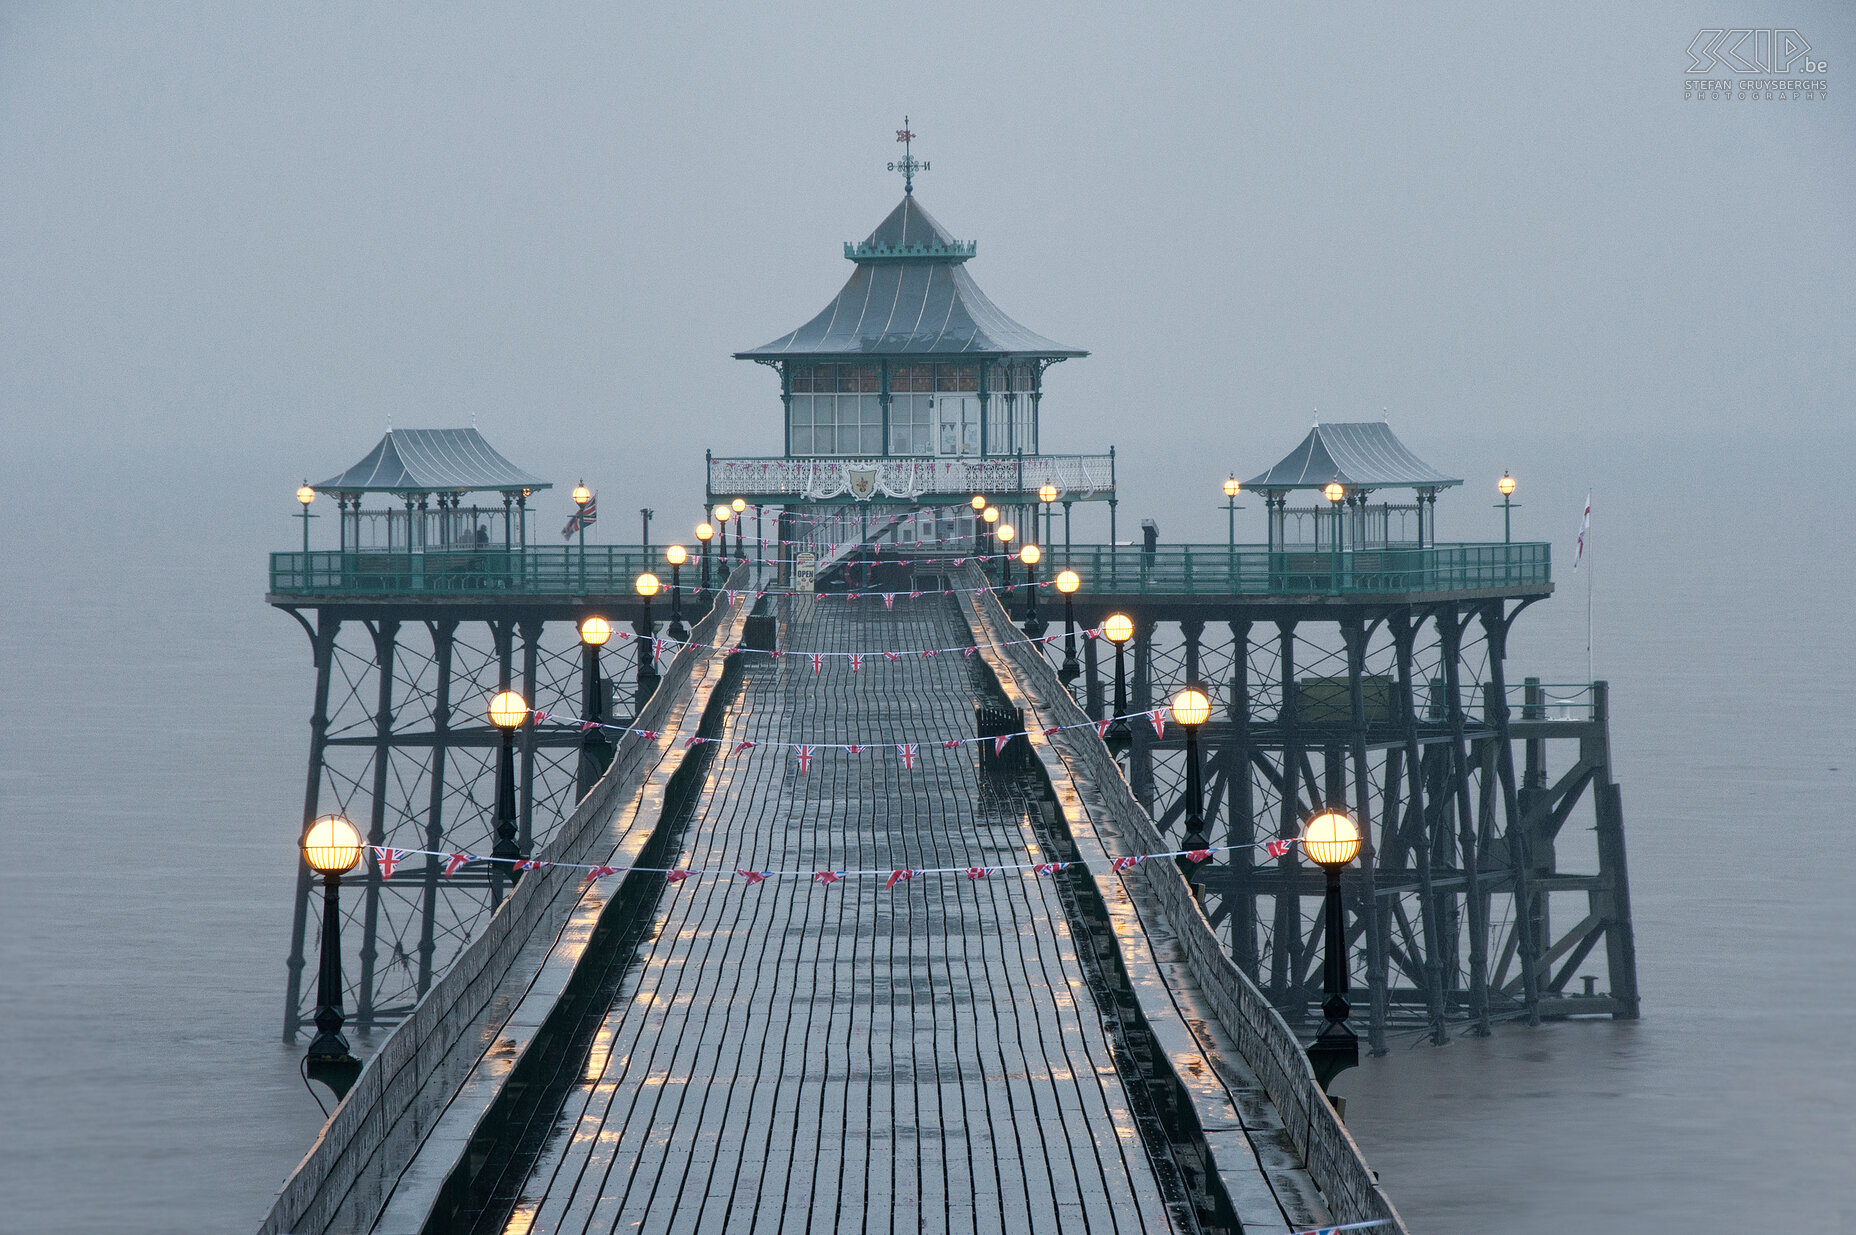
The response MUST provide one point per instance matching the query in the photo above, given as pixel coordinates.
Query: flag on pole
(1585, 525)
(586, 516)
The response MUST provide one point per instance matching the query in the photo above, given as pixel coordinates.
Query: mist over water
(237, 244)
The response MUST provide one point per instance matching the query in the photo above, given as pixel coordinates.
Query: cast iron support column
(1495, 626)
(1286, 924)
(1417, 827)
(322, 646)
(386, 637)
(1451, 624)
(531, 683)
(443, 641)
(1141, 752)
(1613, 901)
(1240, 817)
(1373, 915)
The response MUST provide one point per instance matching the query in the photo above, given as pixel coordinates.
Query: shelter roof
(1359, 455)
(910, 296)
(431, 461)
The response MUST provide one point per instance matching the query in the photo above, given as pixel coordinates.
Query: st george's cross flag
(455, 860)
(387, 860)
(1280, 848)
(907, 752)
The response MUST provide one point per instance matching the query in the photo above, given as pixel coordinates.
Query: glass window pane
(802, 440)
(801, 376)
(869, 380)
(969, 377)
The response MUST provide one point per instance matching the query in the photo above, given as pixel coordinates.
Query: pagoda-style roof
(1361, 455)
(431, 461)
(910, 296)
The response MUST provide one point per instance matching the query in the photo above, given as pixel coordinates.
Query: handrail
(1251, 570)
(472, 573)
(1265, 1040)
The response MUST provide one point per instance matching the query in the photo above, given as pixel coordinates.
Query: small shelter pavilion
(431, 471)
(1362, 458)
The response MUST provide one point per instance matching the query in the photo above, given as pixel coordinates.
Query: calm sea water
(152, 775)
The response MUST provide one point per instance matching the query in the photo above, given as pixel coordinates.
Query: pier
(874, 869)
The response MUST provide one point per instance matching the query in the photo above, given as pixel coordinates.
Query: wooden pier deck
(786, 1056)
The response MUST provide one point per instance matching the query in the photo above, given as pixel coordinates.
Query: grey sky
(238, 239)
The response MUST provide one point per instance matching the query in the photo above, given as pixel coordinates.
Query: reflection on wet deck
(792, 1057)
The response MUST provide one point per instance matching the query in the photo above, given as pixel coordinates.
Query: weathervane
(908, 165)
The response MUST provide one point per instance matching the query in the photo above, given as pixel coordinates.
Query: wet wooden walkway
(786, 1056)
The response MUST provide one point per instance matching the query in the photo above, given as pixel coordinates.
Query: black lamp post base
(1335, 1049)
(338, 1072)
(1069, 671)
(678, 631)
(1035, 627)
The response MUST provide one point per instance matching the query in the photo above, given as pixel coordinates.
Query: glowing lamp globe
(332, 846)
(595, 631)
(1118, 628)
(990, 514)
(1068, 581)
(676, 555)
(1506, 484)
(1047, 494)
(1331, 839)
(978, 502)
(507, 709)
(738, 505)
(1191, 707)
(1031, 555)
(723, 514)
(582, 495)
(1231, 487)
(1006, 532)
(647, 585)
(705, 532)
(1334, 492)
(306, 495)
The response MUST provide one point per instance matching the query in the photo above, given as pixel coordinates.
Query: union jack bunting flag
(754, 876)
(857, 661)
(657, 648)
(855, 749)
(1280, 848)
(387, 860)
(745, 744)
(600, 872)
(539, 717)
(1053, 731)
(693, 741)
(853, 596)
(930, 652)
(1158, 717)
(907, 752)
(978, 872)
(1199, 855)
(1123, 864)
(676, 876)
(1049, 868)
(998, 743)
(589, 724)
(951, 743)
(1102, 728)
(453, 861)
(892, 656)
(896, 877)
(826, 877)
(889, 600)
(531, 864)
(915, 595)
(804, 755)
(818, 662)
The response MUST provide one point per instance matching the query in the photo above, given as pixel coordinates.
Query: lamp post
(1067, 583)
(676, 555)
(738, 506)
(332, 848)
(1047, 493)
(990, 516)
(647, 586)
(1231, 490)
(305, 495)
(1006, 533)
(582, 495)
(722, 515)
(979, 504)
(760, 531)
(1337, 494)
(1331, 840)
(1505, 485)
(1191, 708)
(595, 632)
(1031, 555)
(1118, 628)
(705, 532)
(508, 711)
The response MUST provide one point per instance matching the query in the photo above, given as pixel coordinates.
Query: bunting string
(388, 860)
(663, 643)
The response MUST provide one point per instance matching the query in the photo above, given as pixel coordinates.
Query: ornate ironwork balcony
(918, 480)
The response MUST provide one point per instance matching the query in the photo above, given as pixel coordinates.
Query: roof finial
(908, 165)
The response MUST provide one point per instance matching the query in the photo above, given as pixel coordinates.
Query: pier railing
(1080, 478)
(562, 570)
(1248, 570)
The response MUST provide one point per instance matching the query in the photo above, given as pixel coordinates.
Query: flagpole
(1591, 674)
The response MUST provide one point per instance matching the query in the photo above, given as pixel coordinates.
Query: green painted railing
(1215, 570)
(535, 571)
